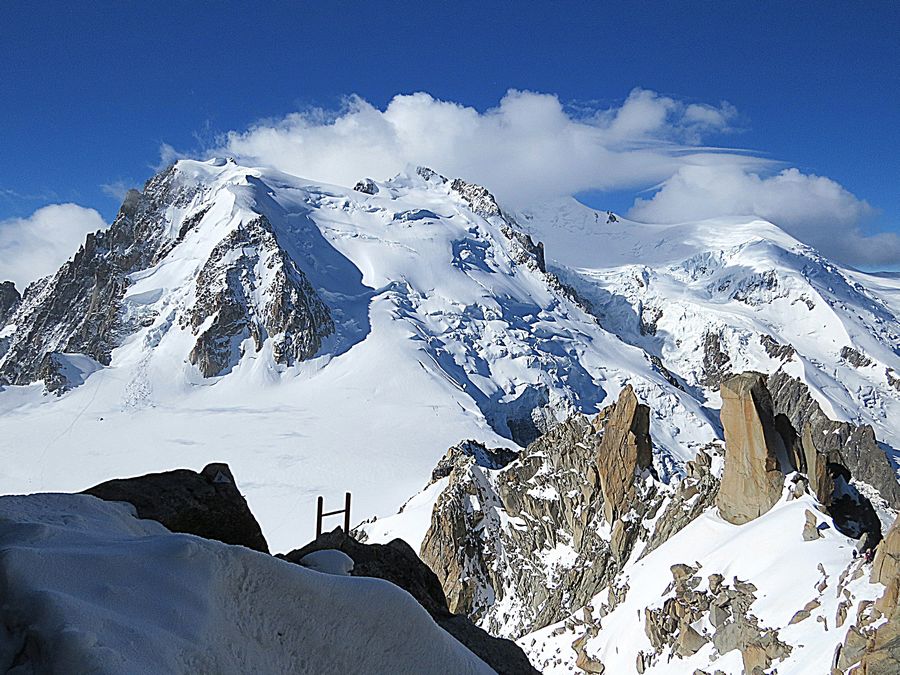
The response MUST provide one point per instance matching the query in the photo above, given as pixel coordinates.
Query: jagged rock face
(226, 310)
(9, 300)
(77, 310)
(397, 563)
(824, 441)
(716, 362)
(520, 547)
(249, 287)
(207, 504)
(624, 452)
(753, 480)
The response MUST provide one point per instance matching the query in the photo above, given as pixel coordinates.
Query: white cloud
(526, 149)
(36, 246)
(530, 147)
(815, 209)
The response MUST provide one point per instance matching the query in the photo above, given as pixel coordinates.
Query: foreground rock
(207, 504)
(872, 645)
(753, 480)
(397, 563)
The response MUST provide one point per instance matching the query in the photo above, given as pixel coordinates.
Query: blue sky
(88, 95)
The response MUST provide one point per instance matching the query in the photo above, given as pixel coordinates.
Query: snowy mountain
(321, 338)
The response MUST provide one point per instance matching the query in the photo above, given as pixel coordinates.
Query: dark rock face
(823, 441)
(489, 458)
(775, 349)
(77, 309)
(207, 504)
(397, 563)
(855, 358)
(226, 286)
(9, 300)
(716, 362)
(366, 186)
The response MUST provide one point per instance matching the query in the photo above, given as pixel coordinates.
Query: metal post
(319, 517)
(347, 515)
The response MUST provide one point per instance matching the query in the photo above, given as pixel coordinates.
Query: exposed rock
(225, 310)
(77, 309)
(752, 481)
(716, 362)
(877, 649)
(397, 563)
(825, 442)
(520, 547)
(207, 504)
(804, 613)
(545, 503)
(855, 358)
(810, 529)
(625, 452)
(488, 458)
(775, 349)
(366, 186)
(9, 300)
(80, 309)
(670, 627)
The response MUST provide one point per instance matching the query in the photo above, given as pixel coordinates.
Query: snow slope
(769, 553)
(665, 287)
(149, 601)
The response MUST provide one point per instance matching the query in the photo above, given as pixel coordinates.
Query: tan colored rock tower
(752, 481)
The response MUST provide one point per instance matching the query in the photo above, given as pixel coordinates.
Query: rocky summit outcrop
(247, 288)
(77, 309)
(397, 563)
(522, 546)
(753, 478)
(207, 504)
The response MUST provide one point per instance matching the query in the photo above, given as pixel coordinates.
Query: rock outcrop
(821, 442)
(689, 602)
(246, 269)
(520, 547)
(872, 645)
(207, 504)
(248, 288)
(625, 451)
(753, 479)
(397, 563)
(9, 300)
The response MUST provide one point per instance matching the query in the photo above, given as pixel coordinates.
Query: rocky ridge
(517, 548)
